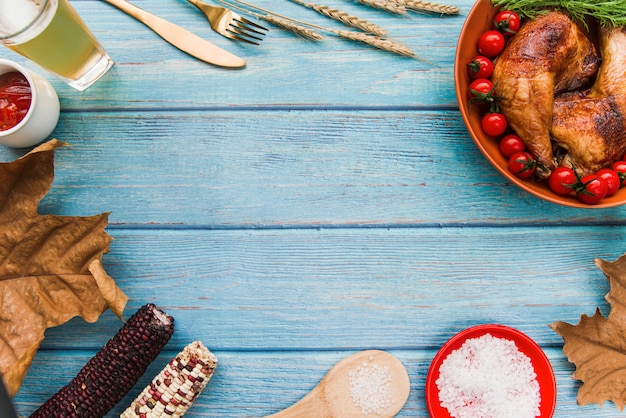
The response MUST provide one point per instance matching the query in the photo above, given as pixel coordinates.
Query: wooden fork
(231, 25)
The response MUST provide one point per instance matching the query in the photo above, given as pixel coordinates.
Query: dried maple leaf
(50, 266)
(597, 344)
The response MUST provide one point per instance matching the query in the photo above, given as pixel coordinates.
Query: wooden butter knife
(181, 38)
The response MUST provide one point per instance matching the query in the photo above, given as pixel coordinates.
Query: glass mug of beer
(51, 34)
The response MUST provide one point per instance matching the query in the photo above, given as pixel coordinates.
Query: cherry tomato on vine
(491, 43)
(481, 87)
(480, 67)
(510, 144)
(612, 180)
(563, 181)
(620, 168)
(507, 22)
(522, 164)
(494, 124)
(593, 189)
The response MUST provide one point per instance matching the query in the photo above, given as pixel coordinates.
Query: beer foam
(15, 15)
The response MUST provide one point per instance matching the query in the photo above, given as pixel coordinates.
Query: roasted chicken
(548, 56)
(592, 127)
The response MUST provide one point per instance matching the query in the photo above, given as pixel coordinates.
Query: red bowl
(480, 19)
(541, 364)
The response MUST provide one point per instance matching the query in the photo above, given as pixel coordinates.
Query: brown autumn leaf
(597, 344)
(50, 266)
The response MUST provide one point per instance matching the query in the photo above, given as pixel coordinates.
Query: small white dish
(42, 116)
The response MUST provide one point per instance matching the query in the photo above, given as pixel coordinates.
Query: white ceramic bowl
(42, 116)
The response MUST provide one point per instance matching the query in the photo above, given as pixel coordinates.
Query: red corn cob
(114, 370)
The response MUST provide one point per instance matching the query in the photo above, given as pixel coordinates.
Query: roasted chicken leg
(592, 128)
(549, 55)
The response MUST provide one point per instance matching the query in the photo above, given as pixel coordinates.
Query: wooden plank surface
(285, 71)
(326, 168)
(324, 200)
(255, 384)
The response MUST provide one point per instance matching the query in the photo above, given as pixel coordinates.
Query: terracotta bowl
(479, 20)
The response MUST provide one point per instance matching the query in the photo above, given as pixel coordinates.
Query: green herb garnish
(607, 12)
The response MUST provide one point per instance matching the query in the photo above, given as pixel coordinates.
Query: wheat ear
(293, 27)
(281, 21)
(345, 18)
(384, 44)
(427, 6)
(385, 5)
(375, 41)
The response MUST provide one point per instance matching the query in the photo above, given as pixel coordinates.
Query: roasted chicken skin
(548, 56)
(592, 127)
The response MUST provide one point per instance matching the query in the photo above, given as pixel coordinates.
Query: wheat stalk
(384, 44)
(427, 6)
(386, 5)
(292, 26)
(276, 19)
(374, 41)
(345, 18)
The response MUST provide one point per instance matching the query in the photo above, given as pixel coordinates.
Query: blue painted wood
(261, 383)
(285, 71)
(325, 199)
(327, 168)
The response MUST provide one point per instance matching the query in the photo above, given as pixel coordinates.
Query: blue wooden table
(324, 200)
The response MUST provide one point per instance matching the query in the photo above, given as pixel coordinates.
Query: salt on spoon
(370, 383)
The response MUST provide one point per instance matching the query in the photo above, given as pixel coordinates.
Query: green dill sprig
(607, 12)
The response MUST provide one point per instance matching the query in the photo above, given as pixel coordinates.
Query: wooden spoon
(377, 379)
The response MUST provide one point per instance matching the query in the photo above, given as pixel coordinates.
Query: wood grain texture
(326, 199)
(303, 292)
(256, 384)
(317, 289)
(327, 168)
(285, 71)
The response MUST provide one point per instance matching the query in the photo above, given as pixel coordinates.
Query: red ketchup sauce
(15, 98)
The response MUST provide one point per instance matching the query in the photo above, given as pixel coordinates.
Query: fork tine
(251, 23)
(242, 35)
(244, 24)
(230, 24)
(235, 36)
(244, 29)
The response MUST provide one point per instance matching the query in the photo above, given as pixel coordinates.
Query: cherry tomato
(620, 168)
(507, 22)
(510, 144)
(494, 124)
(480, 67)
(612, 180)
(563, 181)
(491, 43)
(479, 88)
(522, 164)
(593, 189)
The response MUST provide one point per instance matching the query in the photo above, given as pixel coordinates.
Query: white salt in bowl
(541, 365)
(43, 113)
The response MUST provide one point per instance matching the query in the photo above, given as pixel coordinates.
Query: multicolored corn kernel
(114, 370)
(172, 392)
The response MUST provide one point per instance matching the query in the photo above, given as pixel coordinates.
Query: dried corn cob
(114, 370)
(171, 392)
